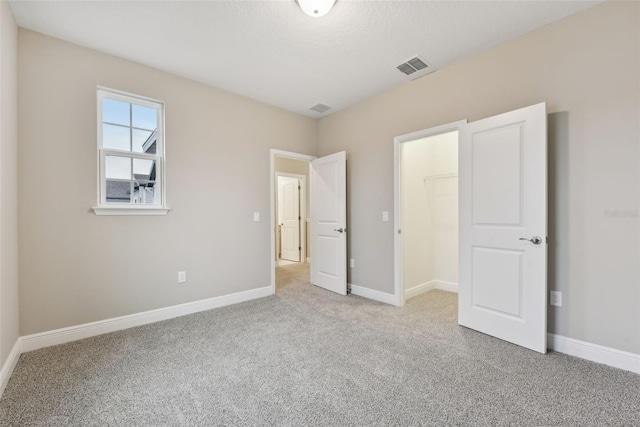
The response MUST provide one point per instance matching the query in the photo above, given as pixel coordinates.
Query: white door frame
(273, 153)
(398, 292)
(303, 211)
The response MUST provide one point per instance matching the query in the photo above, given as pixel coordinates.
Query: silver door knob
(536, 240)
(340, 230)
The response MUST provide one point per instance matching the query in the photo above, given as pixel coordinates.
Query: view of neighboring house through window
(131, 148)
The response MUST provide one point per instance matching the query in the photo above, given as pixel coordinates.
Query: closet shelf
(440, 176)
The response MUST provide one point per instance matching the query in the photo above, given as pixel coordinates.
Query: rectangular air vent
(412, 65)
(320, 108)
(406, 68)
(417, 63)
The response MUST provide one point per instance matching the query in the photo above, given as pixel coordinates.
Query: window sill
(123, 210)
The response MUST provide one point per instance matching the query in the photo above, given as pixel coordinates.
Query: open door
(503, 227)
(329, 222)
(289, 218)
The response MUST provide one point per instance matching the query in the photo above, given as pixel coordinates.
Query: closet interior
(429, 198)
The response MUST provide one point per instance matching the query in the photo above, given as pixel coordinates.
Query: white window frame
(160, 206)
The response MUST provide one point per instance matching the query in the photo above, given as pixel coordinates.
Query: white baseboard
(429, 286)
(78, 332)
(594, 352)
(414, 291)
(373, 294)
(9, 365)
(446, 286)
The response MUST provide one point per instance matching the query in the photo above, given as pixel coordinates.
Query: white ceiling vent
(413, 65)
(320, 108)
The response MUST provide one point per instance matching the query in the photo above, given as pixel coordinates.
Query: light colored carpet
(308, 357)
(292, 274)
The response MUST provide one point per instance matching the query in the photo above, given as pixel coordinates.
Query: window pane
(115, 137)
(142, 143)
(118, 192)
(115, 112)
(145, 117)
(117, 167)
(144, 193)
(143, 169)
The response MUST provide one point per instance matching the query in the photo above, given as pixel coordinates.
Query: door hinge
(299, 248)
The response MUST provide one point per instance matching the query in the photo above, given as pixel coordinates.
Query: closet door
(503, 227)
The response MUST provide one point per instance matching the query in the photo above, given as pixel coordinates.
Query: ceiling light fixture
(316, 8)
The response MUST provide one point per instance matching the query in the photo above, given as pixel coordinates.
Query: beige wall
(586, 68)
(76, 267)
(8, 182)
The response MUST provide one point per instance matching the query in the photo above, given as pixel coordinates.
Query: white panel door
(329, 222)
(503, 227)
(289, 209)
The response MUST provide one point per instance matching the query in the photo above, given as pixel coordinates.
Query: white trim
(307, 225)
(126, 96)
(397, 224)
(86, 330)
(397, 220)
(430, 286)
(122, 210)
(446, 286)
(414, 291)
(273, 153)
(594, 352)
(10, 364)
(372, 294)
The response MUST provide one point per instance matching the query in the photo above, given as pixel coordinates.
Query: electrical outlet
(385, 216)
(352, 263)
(555, 298)
(182, 276)
(256, 216)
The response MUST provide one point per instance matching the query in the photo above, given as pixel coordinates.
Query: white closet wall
(417, 215)
(430, 212)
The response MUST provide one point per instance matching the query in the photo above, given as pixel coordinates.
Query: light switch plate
(256, 216)
(555, 298)
(385, 216)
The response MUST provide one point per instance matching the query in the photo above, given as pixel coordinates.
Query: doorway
(427, 211)
(502, 224)
(326, 228)
(291, 218)
(290, 252)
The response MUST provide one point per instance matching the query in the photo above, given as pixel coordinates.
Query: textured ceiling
(271, 51)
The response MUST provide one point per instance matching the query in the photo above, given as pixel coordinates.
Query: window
(130, 155)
